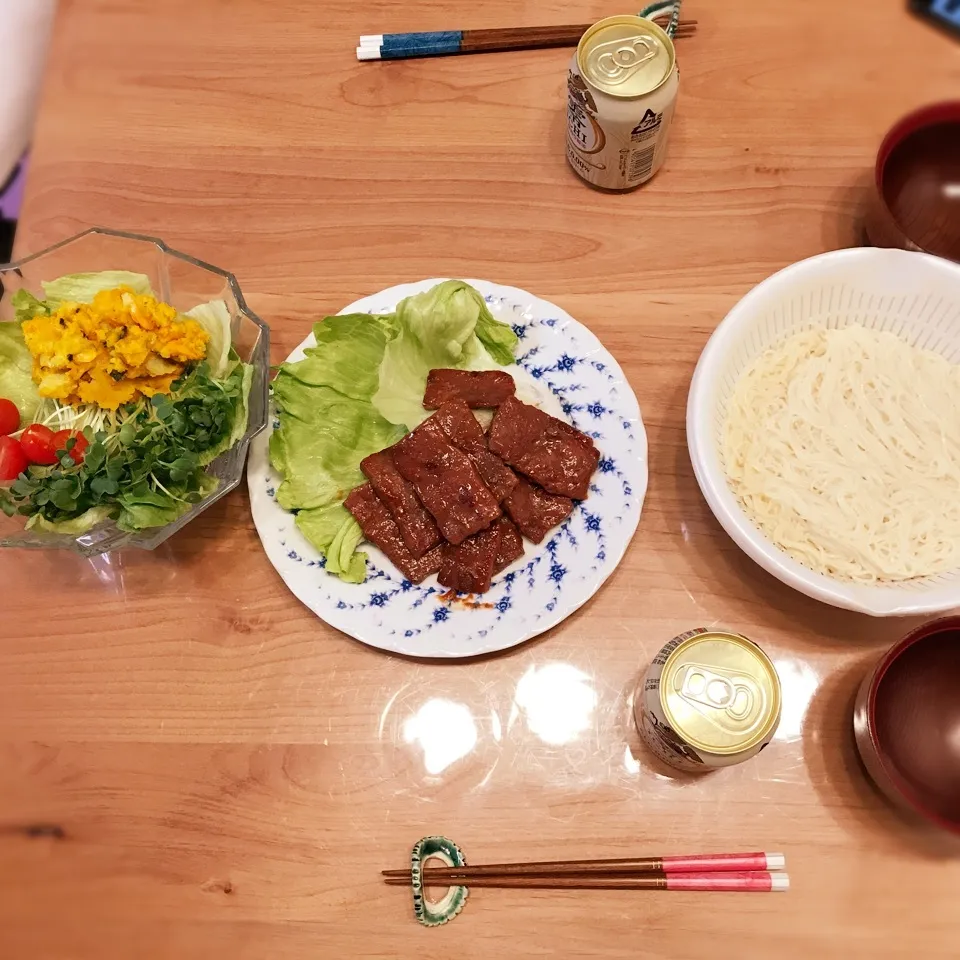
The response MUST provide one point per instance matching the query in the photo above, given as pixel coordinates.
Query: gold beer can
(621, 93)
(709, 699)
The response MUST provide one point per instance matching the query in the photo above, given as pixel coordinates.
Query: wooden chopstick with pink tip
(711, 863)
(718, 881)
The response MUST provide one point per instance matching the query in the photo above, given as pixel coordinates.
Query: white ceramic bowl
(911, 294)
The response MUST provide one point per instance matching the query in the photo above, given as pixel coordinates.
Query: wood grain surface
(192, 765)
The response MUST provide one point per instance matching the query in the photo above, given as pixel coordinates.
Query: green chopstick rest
(445, 909)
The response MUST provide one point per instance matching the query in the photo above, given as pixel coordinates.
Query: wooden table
(228, 774)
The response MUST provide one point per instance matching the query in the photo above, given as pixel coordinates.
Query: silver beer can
(621, 94)
(709, 699)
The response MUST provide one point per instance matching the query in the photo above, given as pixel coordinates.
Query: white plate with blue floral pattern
(563, 368)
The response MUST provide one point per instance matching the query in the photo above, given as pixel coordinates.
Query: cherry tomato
(38, 444)
(13, 461)
(9, 417)
(79, 447)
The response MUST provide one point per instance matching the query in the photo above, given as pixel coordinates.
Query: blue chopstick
(400, 46)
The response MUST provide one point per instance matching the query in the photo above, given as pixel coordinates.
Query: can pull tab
(734, 697)
(666, 13)
(618, 60)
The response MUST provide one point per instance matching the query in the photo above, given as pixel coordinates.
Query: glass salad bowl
(185, 283)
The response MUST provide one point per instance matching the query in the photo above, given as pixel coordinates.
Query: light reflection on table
(556, 701)
(444, 731)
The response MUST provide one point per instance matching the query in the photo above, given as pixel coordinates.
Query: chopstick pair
(439, 43)
(747, 872)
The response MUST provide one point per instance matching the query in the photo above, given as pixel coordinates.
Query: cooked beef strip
(477, 388)
(550, 452)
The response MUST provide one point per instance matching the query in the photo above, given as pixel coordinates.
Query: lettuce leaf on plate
(448, 325)
(334, 532)
(327, 422)
(359, 390)
(498, 338)
(348, 354)
(323, 436)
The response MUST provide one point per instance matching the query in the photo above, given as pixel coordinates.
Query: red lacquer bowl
(916, 202)
(907, 723)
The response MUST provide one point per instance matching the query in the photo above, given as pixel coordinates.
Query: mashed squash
(112, 351)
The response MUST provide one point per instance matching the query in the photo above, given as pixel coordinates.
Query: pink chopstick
(755, 882)
(720, 862)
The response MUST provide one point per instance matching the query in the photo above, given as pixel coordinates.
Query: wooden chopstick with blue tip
(439, 43)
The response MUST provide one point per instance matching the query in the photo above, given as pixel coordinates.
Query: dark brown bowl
(917, 184)
(907, 723)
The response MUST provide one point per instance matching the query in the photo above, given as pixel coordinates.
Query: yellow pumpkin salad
(113, 350)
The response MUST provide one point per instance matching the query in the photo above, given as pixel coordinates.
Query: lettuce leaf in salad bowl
(140, 510)
(80, 524)
(77, 287)
(16, 376)
(83, 287)
(214, 317)
(359, 390)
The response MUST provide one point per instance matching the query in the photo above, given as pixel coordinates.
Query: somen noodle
(843, 446)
